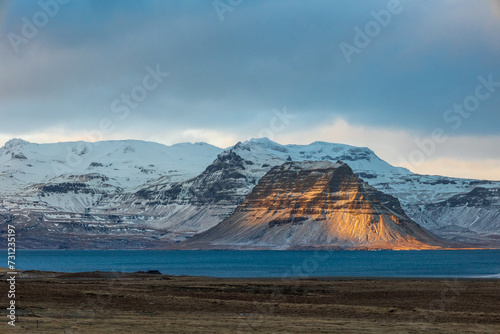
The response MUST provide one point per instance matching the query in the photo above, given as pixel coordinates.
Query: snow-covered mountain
(312, 204)
(59, 191)
(119, 194)
(127, 164)
(203, 202)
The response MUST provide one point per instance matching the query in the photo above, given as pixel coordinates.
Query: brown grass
(162, 304)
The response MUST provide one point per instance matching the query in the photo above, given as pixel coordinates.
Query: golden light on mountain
(318, 204)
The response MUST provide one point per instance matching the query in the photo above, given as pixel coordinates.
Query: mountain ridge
(167, 194)
(316, 205)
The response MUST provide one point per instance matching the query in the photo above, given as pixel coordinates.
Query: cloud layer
(226, 76)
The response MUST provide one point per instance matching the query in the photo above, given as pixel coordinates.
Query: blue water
(454, 263)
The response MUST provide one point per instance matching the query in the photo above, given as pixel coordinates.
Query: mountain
(126, 163)
(314, 204)
(193, 206)
(59, 194)
(463, 217)
(135, 194)
(196, 205)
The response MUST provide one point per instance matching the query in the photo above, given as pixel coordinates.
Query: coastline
(97, 274)
(100, 302)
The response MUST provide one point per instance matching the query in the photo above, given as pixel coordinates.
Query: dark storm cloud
(263, 55)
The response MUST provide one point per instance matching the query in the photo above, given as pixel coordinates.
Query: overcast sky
(367, 73)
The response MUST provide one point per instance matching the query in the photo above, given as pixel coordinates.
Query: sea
(239, 264)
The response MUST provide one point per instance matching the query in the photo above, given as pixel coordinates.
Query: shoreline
(257, 249)
(112, 302)
(37, 274)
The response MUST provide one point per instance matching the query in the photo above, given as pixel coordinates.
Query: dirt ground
(142, 303)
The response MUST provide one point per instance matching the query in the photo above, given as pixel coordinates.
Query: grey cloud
(264, 55)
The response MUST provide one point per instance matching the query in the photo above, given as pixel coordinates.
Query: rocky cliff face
(316, 204)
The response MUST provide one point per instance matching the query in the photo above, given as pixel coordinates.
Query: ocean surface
(450, 263)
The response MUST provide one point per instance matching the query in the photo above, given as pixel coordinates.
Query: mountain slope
(126, 163)
(235, 172)
(59, 195)
(316, 204)
(465, 216)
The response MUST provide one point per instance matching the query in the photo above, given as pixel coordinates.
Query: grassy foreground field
(143, 303)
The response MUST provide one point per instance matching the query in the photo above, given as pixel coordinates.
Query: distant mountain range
(135, 194)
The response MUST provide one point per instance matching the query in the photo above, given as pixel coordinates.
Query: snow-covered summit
(127, 163)
(360, 159)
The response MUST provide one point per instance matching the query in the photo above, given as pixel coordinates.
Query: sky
(418, 82)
